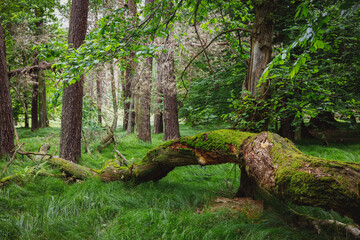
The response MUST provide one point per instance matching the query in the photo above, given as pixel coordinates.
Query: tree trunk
(261, 47)
(287, 130)
(26, 117)
(143, 128)
(129, 76)
(127, 89)
(131, 116)
(268, 162)
(158, 109)
(34, 102)
(171, 120)
(99, 96)
(43, 117)
(260, 56)
(170, 113)
(6, 115)
(114, 98)
(70, 139)
(41, 91)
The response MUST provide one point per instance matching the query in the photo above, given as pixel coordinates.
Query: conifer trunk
(143, 128)
(6, 115)
(43, 117)
(170, 114)
(129, 76)
(71, 121)
(114, 98)
(34, 101)
(158, 112)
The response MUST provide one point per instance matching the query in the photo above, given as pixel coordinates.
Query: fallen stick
(11, 160)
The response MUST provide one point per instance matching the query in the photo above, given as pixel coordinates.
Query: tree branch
(206, 47)
(30, 69)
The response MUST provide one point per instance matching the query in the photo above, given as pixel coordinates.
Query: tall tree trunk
(171, 120)
(129, 73)
(99, 95)
(143, 128)
(170, 113)
(70, 140)
(26, 117)
(261, 47)
(34, 101)
(131, 120)
(35, 124)
(114, 98)
(158, 111)
(43, 117)
(6, 115)
(260, 56)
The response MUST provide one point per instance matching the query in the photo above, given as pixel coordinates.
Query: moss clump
(219, 140)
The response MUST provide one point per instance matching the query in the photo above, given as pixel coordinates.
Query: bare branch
(30, 69)
(206, 47)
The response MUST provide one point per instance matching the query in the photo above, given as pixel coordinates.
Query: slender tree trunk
(70, 140)
(171, 121)
(6, 115)
(43, 117)
(129, 73)
(143, 128)
(34, 101)
(158, 108)
(127, 90)
(99, 95)
(35, 123)
(26, 118)
(114, 98)
(131, 121)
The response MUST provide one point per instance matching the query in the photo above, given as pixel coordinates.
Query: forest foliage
(311, 89)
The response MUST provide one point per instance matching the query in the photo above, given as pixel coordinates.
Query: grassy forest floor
(180, 206)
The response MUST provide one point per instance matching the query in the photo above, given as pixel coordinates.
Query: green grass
(52, 208)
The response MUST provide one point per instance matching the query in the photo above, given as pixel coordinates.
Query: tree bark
(114, 98)
(34, 102)
(129, 76)
(6, 115)
(170, 114)
(70, 139)
(143, 128)
(43, 117)
(158, 111)
(99, 96)
(261, 47)
(131, 115)
(260, 56)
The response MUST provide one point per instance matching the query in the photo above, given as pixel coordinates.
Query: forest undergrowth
(50, 205)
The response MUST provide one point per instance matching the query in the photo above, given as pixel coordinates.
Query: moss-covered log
(269, 163)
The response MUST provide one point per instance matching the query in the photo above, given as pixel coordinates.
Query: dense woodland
(101, 102)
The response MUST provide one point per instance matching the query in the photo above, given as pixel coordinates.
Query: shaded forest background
(101, 80)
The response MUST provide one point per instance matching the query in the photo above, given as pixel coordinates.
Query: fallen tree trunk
(269, 163)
